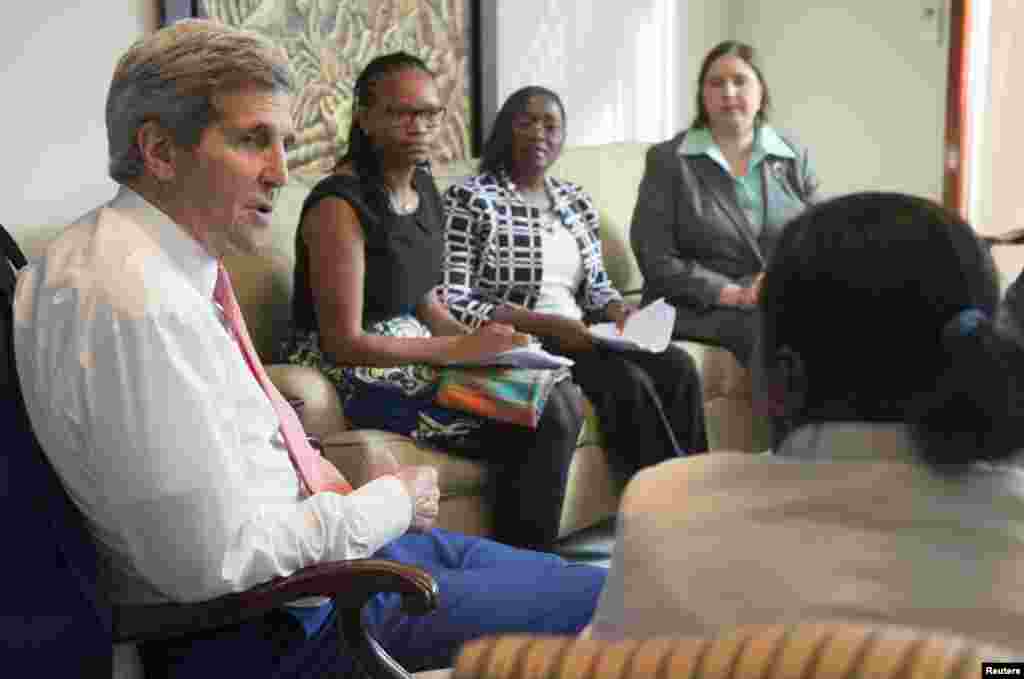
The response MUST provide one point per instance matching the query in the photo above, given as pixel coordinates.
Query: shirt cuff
(387, 507)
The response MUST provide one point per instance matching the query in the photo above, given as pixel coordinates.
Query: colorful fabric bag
(515, 395)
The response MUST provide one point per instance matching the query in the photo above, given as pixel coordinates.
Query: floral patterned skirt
(398, 399)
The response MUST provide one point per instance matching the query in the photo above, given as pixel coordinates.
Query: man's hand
(421, 484)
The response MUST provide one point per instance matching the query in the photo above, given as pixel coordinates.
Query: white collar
(198, 266)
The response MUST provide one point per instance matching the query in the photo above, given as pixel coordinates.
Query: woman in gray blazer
(713, 201)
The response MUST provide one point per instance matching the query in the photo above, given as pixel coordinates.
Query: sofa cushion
(354, 452)
(263, 281)
(721, 374)
(320, 410)
(263, 285)
(33, 239)
(592, 492)
(465, 505)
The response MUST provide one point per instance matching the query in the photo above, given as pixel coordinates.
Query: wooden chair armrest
(350, 583)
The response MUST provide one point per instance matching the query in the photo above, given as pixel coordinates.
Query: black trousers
(650, 405)
(531, 468)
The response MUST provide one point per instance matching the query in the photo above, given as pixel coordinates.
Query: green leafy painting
(330, 41)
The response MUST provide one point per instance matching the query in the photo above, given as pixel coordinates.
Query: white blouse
(563, 272)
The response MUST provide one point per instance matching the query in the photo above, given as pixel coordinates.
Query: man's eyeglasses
(403, 117)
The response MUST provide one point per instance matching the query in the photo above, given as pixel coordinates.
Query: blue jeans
(485, 588)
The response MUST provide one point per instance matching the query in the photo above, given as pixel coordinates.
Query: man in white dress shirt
(159, 430)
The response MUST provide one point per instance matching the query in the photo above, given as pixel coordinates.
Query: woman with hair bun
(893, 496)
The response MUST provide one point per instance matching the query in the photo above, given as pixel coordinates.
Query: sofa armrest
(633, 295)
(321, 411)
(362, 455)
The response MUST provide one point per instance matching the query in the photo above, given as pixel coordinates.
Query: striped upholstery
(801, 651)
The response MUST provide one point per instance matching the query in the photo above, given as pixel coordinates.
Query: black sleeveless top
(403, 252)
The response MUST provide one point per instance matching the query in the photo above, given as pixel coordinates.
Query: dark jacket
(1013, 305)
(689, 234)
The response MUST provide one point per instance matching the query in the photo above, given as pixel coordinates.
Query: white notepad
(648, 329)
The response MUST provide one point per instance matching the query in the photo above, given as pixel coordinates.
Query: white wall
(872, 116)
(58, 58)
(616, 65)
(705, 24)
(625, 69)
(862, 84)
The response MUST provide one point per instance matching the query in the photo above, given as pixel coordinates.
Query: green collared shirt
(767, 142)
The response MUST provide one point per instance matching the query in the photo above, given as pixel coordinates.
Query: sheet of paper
(531, 356)
(648, 329)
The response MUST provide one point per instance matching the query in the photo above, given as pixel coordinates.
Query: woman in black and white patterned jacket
(523, 248)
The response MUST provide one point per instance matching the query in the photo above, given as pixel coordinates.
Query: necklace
(401, 209)
(549, 220)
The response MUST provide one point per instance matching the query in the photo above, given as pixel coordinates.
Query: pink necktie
(317, 473)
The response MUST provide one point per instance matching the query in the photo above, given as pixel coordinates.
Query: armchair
(827, 650)
(63, 624)
(58, 542)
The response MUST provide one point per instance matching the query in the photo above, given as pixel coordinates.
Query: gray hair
(174, 75)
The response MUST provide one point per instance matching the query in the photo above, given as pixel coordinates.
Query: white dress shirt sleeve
(172, 451)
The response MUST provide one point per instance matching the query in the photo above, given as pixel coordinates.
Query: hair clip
(966, 322)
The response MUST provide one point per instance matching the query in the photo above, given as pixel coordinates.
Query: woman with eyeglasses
(523, 248)
(368, 257)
